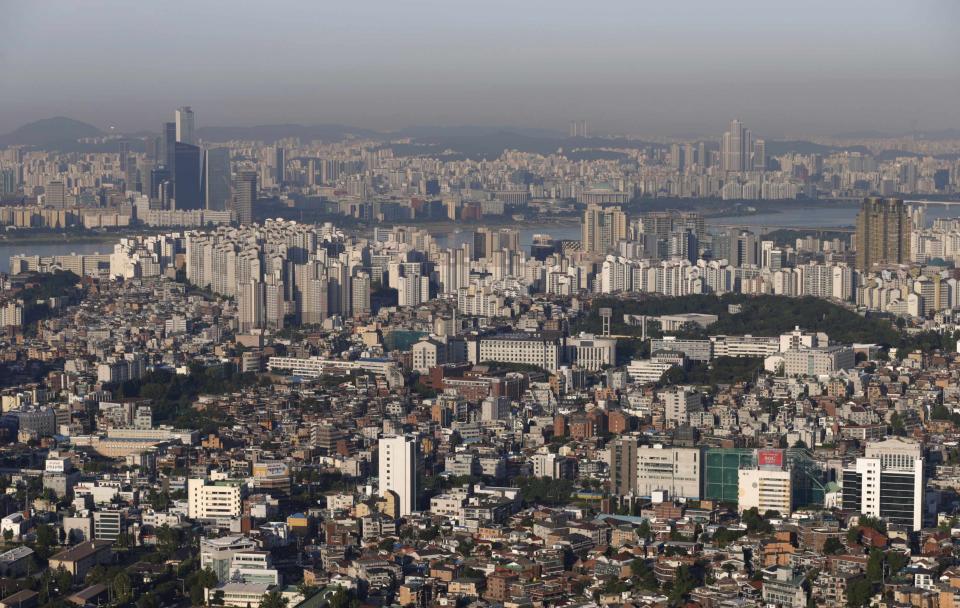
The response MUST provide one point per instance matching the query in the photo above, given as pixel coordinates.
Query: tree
(643, 530)
(339, 598)
(148, 600)
(63, 579)
(683, 583)
(896, 561)
(122, 588)
(97, 574)
(168, 540)
(896, 425)
(273, 600)
(46, 538)
(643, 575)
(875, 565)
(8, 535)
(198, 582)
(859, 592)
(833, 546)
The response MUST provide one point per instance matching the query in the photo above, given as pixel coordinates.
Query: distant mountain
(271, 133)
(50, 133)
(778, 147)
(472, 131)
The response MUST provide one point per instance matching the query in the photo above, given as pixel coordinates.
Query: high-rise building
(244, 195)
(279, 165)
(185, 126)
(623, 465)
(55, 195)
(736, 148)
(602, 228)
(397, 469)
(186, 177)
(578, 128)
(360, 293)
(759, 155)
(887, 482)
(168, 147)
(216, 179)
(883, 232)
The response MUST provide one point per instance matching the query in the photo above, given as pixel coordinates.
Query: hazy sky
(636, 66)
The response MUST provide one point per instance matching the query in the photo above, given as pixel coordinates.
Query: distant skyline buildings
(244, 196)
(185, 126)
(186, 181)
(216, 179)
(740, 151)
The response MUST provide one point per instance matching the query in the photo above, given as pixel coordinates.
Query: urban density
(294, 366)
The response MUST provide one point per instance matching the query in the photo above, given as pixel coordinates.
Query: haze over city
(644, 68)
(528, 304)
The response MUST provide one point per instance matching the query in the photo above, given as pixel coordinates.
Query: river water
(820, 216)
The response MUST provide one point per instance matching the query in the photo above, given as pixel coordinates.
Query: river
(805, 216)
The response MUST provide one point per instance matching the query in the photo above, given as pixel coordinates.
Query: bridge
(926, 202)
(770, 227)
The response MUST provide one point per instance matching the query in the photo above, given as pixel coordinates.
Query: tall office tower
(747, 251)
(244, 195)
(123, 152)
(360, 293)
(480, 238)
(683, 244)
(216, 179)
(397, 458)
(55, 195)
(185, 126)
(623, 465)
(759, 155)
(887, 482)
(168, 147)
(703, 158)
(578, 128)
(883, 232)
(735, 148)
(279, 165)
(602, 228)
(186, 177)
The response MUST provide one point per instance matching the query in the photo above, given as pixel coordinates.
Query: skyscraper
(279, 165)
(602, 228)
(215, 190)
(397, 460)
(244, 195)
(186, 177)
(883, 232)
(185, 126)
(736, 148)
(168, 147)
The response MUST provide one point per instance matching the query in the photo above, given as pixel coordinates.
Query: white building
(817, 361)
(215, 500)
(678, 471)
(887, 482)
(397, 459)
(590, 352)
(765, 489)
